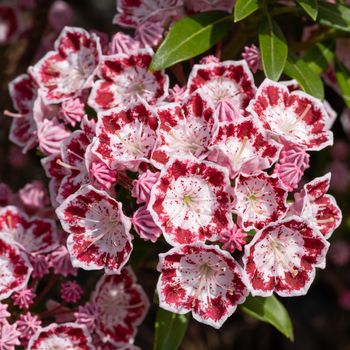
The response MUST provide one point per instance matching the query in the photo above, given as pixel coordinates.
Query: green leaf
(319, 56)
(273, 48)
(334, 15)
(243, 8)
(190, 37)
(306, 77)
(310, 7)
(269, 310)
(343, 79)
(170, 330)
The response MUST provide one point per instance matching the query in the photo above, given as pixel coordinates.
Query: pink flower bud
(123, 43)
(149, 33)
(72, 111)
(145, 226)
(251, 55)
(209, 59)
(34, 195)
(142, 186)
(71, 292)
(105, 176)
(233, 239)
(50, 135)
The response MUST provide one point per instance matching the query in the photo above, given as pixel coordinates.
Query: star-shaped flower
(296, 117)
(190, 202)
(203, 279)
(282, 258)
(99, 231)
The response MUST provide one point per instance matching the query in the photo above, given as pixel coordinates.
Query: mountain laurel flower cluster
(212, 168)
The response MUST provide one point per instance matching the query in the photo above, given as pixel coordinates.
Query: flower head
(23, 298)
(27, 325)
(9, 336)
(233, 239)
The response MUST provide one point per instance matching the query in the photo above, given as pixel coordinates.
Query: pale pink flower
(143, 185)
(145, 226)
(252, 56)
(71, 291)
(61, 263)
(8, 336)
(34, 195)
(23, 298)
(60, 15)
(72, 111)
(233, 239)
(87, 315)
(27, 325)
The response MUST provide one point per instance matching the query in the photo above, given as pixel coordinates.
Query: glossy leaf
(269, 310)
(334, 15)
(343, 79)
(306, 77)
(319, 56)
(190, 37)
(310, 7)
(170, 330)
(243, 8)
(273, 48)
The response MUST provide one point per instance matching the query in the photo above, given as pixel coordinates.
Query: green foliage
(310, 81)
(170, 330)
(269, 310)
(190, 37)
(273, 48)
(334, 15)
(343, 80)
(319, 56)
(310, 7)
(243, 8)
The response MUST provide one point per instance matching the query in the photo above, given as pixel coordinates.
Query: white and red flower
(282, 258)
(190, 202)
(259, 200)
(202, 279)
(243, 147)
(64, 73)
(124, 79)
(229, 85)
(121, 305)
(184, 130)
(14, 266)
(296, 117)
(319, 208)
(126, 137)
(66, 336)
(134, 13)
(33, 235)
(99, 231)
